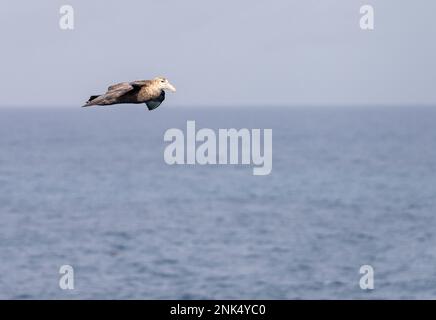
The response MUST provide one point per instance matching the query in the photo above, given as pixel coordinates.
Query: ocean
(89, 187)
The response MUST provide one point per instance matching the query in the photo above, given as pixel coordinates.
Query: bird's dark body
(141, 91)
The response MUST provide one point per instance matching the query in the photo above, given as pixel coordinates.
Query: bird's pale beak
(171, 87)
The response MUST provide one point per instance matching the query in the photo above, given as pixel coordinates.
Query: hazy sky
(279, 52)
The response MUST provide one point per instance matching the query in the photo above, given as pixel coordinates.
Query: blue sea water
(90, 188)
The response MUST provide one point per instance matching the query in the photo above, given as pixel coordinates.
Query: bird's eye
(162, 81)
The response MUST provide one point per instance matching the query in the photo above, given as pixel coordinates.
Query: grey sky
(216, 53)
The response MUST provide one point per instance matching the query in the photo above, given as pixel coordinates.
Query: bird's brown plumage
(150, 92)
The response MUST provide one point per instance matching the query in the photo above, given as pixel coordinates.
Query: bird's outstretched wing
(140, 83)
(120, 86)
(111, 96)
(129, 85)
(116, 91)
(154, 103)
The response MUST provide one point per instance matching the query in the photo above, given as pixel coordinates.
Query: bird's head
(164, 84)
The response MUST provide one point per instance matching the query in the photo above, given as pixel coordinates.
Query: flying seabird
(150, 92)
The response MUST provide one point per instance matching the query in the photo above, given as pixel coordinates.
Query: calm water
(90, 188)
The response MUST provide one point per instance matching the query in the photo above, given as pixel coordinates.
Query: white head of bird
(164, 84)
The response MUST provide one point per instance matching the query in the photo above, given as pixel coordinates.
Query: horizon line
(278, 106)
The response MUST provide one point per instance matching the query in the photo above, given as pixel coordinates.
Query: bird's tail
(89, 102)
